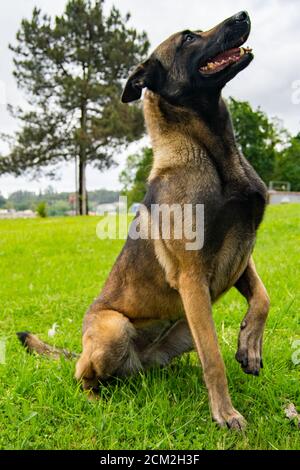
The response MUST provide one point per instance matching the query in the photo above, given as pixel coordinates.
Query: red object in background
(72, 199)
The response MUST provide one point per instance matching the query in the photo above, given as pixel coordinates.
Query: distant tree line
(270, 149)
(57, 203)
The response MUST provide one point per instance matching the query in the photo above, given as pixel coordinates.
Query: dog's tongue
(224, 59)
(227, 54)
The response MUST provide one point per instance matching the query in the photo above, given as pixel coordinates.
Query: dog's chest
(232, 214)
(231, 221)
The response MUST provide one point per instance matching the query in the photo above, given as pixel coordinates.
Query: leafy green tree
(72, 69)
(2, 201)
(134, 176)
(257, 135)
(288, 164)
(42, 210)
(59, 208)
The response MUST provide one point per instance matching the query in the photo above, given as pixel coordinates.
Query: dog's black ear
(135, 84)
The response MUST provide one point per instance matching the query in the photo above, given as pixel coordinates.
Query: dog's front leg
(196, 300)
(249, 352)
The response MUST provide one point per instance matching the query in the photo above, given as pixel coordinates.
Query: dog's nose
(241, 16)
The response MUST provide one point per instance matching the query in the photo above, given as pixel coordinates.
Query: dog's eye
(189, 38)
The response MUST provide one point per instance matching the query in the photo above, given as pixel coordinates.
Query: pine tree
(72, 69)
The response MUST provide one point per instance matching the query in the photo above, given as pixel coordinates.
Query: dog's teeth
(243, 50)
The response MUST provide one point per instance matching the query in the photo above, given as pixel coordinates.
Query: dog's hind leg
(108, 349)
(172, 343)
(249, 352)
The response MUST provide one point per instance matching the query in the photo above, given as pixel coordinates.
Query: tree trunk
(76, 187)
(82, 196)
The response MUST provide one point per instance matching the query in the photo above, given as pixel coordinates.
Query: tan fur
(168, 263)
(179, 144)
(174, 144)
(239, 262)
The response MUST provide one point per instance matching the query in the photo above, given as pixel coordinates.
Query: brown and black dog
(157, 301)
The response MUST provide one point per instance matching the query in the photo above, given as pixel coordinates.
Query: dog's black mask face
(191, 63)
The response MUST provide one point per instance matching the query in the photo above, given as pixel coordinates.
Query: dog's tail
(33, 344)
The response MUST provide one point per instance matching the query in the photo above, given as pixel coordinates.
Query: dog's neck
(180, 134)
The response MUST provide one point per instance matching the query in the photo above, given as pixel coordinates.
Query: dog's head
(193, 62)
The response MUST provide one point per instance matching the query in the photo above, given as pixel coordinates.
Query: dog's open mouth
(223, 60)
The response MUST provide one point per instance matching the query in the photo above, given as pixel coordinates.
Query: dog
(157, 301)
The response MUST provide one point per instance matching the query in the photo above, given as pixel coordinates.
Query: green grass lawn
(51, 270)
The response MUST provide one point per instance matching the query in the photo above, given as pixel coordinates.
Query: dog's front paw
(230, 418)
(249, 353)
(251, 362)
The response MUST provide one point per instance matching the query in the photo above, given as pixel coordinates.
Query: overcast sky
(267, 82)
